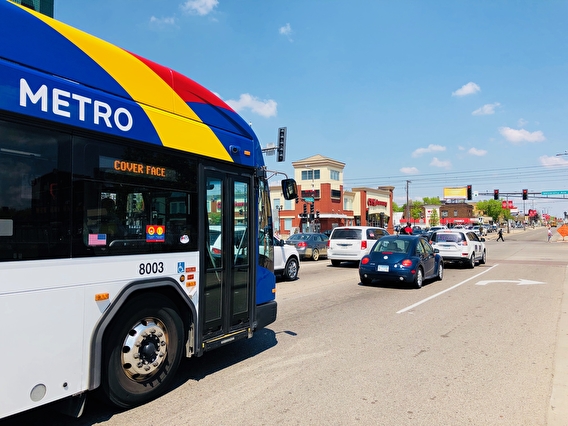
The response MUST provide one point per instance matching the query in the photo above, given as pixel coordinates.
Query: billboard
(459, 193)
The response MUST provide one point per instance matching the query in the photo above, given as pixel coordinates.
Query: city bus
(117, 175)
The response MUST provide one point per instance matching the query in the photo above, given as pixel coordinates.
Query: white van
(351, 243)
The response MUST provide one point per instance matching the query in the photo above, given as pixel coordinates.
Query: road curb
(558, 407)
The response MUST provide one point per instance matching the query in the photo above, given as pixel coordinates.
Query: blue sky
(441, 93)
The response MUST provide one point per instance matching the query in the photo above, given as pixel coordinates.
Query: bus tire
(142, 351)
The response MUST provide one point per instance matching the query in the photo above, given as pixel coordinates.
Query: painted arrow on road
(518, 282)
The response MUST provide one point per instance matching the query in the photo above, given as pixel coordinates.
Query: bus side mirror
(289, 189)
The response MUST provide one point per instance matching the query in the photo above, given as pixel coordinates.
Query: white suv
(460, 245)
(351, 243)
(286, 260)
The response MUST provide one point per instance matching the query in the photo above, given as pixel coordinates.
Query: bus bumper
(265, 314)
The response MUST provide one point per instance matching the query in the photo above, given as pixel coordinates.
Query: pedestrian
(500, 235)
(549, 234)
(408, 229)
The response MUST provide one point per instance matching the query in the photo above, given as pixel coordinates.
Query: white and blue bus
(116, 177)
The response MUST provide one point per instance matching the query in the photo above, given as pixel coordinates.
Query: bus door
(228, 302)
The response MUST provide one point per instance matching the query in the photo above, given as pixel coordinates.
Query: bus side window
(110, 222)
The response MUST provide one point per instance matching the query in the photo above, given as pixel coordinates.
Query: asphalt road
(485, 346)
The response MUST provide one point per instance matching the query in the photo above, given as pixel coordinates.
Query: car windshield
(395, 246)
(347, 234)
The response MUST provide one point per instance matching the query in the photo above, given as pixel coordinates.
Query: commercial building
(323, 204)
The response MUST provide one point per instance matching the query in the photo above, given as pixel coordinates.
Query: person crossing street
(500, 235)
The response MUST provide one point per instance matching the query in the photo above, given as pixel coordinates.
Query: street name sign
(564, 191)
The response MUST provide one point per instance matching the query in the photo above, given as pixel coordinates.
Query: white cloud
(439, 163)
(486, 109)
(467, 89)
(547, 161)
(246, 101)
(522, 122)
(285, 30)
(518, 136)
(430, 148)
(477, 152)
(199, 7)
(409, 170)
(171, 21)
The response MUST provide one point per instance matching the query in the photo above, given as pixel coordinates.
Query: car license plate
(382, 268)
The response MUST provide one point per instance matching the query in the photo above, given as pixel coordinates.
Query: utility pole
(407, 202)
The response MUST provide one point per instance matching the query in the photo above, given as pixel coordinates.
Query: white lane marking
(520, 281)
(444, 291)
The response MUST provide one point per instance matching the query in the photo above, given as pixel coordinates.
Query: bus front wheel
(142, 350)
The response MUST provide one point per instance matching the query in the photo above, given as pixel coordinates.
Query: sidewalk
(556, 237)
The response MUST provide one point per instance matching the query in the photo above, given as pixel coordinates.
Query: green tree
(435, 201)
(493, 209)
(415, 211)
(396, 208)
(214, 218)
(434, 219)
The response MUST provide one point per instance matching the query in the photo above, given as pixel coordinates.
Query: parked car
(286, 260)
(351, 243)
(309, 245)
(418, 231)
(481, 231)
(462, 246)
(401, 258)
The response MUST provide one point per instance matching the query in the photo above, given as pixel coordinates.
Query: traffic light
(312, 208)
(305, 210)
(297, 200)
(525, 194)
(469, 193)
(317, 214)
(281, 144)
(495, 194)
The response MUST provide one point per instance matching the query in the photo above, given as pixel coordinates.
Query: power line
(535, 177)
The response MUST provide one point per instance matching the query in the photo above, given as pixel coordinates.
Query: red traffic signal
(469, 195)
(495, 194)
(525, 194)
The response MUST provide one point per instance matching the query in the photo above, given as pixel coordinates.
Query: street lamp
(279, 209)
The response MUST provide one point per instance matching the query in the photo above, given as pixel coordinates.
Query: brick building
(325, 203)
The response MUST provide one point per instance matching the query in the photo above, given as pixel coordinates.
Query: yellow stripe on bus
(186, 135)
(147, 88)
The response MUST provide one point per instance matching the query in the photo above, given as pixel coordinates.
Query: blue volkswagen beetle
(401, 258)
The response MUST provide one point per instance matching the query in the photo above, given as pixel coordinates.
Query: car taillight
(407, 263)
(302, 244)
(365, 260)
(328, 242)
(363, 245)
